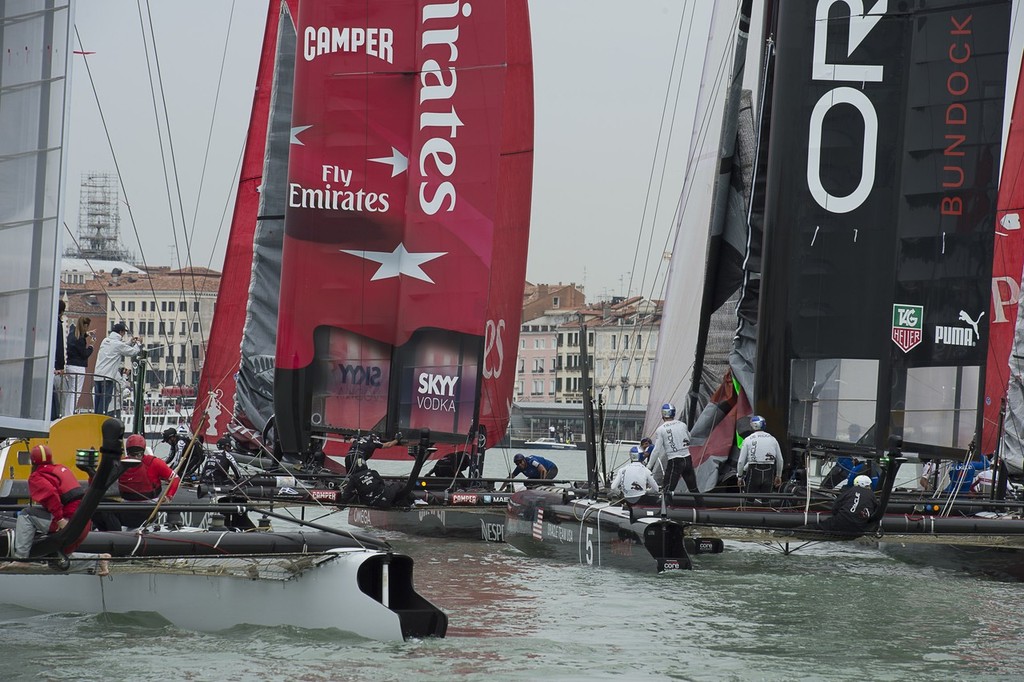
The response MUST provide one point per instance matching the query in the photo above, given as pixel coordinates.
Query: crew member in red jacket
(144, 483)
(57, 491)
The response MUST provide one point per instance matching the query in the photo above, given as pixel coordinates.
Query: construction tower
(99, 220)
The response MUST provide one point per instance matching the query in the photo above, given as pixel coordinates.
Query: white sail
(33, 130)
(677, 339)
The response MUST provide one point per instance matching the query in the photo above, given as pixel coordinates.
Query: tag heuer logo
(907, 325)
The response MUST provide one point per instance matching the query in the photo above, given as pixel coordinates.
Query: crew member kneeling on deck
(634, 480)
(853, 508)
(57, 491)
(759, 469)
(672, 449)
(143, 483)
(367, 487)
(534, 467)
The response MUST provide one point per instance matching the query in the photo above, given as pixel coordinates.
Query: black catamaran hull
(545, 523)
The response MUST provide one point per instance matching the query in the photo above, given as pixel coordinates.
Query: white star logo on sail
(398, 161)
(296, 130)
(398, 262)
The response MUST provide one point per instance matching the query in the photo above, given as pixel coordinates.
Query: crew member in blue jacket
(534, 467)
(961, 474)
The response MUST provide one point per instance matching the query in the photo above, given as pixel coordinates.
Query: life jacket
(64, 481)
(136, 484)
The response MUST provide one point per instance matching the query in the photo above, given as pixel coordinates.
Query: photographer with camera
(109, 360)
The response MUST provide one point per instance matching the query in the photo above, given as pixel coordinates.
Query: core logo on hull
(907, 325)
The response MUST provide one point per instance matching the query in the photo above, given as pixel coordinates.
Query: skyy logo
(358, 375)
(436, 392)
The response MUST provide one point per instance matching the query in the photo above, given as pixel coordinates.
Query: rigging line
(117, 168)
(661, 128)
(213, 118)
(702, 142)
(661, 184)
(170, 149)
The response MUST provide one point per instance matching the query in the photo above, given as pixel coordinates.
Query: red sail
(407, 219)
(1007, 263)
(221, 361)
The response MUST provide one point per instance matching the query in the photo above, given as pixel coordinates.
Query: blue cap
(636, 454)
(519, 457)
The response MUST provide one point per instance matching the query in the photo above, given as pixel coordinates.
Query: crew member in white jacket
(634, 480)
(672, 450)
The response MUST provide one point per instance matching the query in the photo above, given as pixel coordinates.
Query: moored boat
(548, 444)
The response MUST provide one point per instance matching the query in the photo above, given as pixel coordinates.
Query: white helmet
(862, 481)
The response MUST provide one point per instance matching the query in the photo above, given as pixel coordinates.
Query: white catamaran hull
(322, 596)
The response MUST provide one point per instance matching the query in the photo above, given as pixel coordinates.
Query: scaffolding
(99, 220)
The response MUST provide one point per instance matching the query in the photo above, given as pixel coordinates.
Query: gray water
(830, 612)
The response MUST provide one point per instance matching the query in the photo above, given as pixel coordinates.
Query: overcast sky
(603, 201)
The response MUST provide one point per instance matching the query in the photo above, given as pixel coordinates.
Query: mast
(588, 410)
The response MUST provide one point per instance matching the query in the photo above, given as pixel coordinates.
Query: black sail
(881, 196)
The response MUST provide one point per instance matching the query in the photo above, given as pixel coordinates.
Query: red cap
(135, 442)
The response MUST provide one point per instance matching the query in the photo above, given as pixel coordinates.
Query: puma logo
(964, 317)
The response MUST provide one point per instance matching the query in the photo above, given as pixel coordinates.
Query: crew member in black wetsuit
(364, 446)
(451, 465)
(852, 509)
(367, 487)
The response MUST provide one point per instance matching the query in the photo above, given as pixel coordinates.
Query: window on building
(538, 344)
(624, 396)
(522, 364)
(181, 351)
(558, 385)
(538, 364)
(152, 306)
(143, 306)
(625, 342)
(639, 342)
(561, 340)
(551, 389)
(183, 328)
(195, 327)
(122, 306)
(613, 342)
(519, 388)
(195, 306)
(170, 306)
(522, 343)
(149, 326)
(538, 388)
(554, 301)
(163, 328)
(182, 307)
(195, 351)
(163, 306)
(131, 306)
